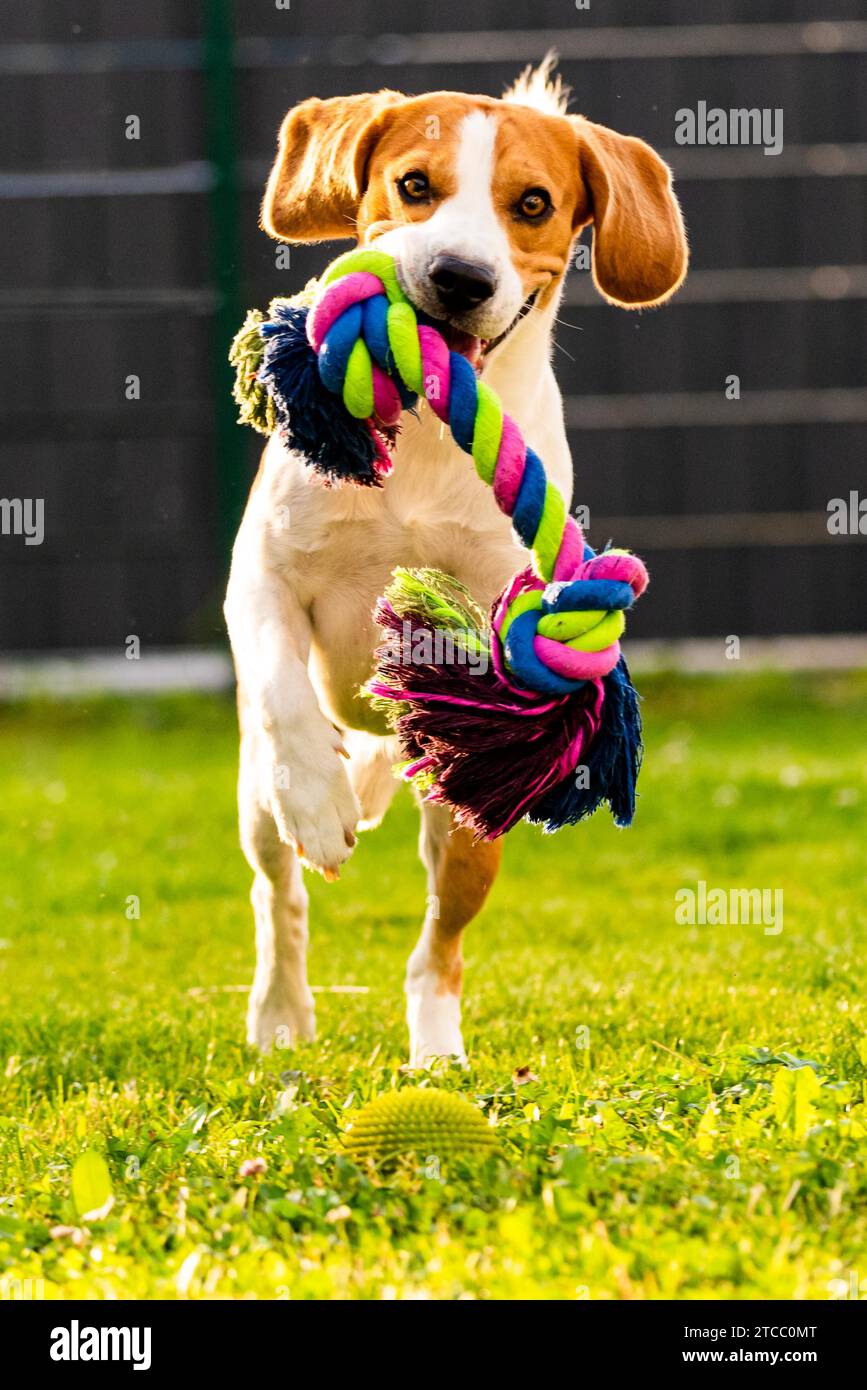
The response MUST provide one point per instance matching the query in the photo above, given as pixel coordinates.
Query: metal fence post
(225, 257)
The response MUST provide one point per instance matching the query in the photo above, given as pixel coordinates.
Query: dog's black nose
(461, 285)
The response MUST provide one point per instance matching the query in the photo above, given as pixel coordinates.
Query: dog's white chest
(337, 547)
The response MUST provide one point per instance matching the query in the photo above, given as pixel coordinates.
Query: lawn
(694, 1120)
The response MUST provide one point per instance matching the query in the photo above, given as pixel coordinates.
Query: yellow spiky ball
(418, 1119)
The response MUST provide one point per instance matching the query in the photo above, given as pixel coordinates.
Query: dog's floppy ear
(317, 180)
(640, 252)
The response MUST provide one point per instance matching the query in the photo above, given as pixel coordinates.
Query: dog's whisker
(560, 348)
(565, 322)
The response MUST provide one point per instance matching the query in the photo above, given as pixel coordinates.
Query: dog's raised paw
(317, 814)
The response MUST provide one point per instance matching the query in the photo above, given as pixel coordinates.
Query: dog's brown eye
(414, 187)
(533, 204)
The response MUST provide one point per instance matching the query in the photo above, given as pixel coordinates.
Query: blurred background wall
(137, 257)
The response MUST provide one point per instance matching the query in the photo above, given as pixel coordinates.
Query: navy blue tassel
(613, 763)
(310, 418)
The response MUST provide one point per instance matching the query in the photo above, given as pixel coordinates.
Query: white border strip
(704, 162)
(580, 43)
(708, 655)
(195, 176)
(832, 405)
(110, 673)
(202, 671)
(723, 530)
(743, 285)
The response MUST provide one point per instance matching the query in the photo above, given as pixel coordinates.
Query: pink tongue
(466, 344)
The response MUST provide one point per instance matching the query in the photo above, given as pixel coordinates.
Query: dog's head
(479, 200)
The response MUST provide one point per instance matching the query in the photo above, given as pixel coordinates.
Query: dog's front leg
(294, 795)
(280, 1005)
(300, 774)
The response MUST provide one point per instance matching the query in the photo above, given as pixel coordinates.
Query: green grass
(686, 1152)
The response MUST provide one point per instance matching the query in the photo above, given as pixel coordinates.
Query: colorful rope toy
(551, 729)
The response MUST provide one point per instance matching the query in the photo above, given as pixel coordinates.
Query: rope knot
(333, 372)
(373, 352)
(556, 636)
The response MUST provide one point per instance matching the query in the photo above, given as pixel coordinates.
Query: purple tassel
(490, 750)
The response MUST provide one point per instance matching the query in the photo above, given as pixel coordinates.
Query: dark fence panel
(107, 272)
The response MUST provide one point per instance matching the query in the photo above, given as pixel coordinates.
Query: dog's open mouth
(475, 350)
(489, 344)
(466, 344)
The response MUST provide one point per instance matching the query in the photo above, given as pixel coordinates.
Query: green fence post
(225, 259)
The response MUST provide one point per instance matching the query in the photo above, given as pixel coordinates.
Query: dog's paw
(315, 810)
(275, 1019)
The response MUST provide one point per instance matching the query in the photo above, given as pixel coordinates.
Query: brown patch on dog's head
(640, 251)
(317, 180)
(341, 163)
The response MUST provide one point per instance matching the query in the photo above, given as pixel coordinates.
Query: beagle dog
(479, 202)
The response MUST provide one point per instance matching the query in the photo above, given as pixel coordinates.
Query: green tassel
(248, 347)
(256, 407)
(443, 602)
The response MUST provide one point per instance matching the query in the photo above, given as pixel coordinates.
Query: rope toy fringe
(551, 729)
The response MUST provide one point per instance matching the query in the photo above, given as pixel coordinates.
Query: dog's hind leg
(459, 875)
(280, 1004)
(371, 760)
